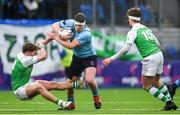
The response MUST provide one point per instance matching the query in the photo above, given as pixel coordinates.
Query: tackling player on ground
(152, 64)
(22, 85)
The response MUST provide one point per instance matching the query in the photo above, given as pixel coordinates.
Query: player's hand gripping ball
(65, 34)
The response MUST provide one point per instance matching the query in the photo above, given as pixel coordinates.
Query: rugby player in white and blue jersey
(84, 54)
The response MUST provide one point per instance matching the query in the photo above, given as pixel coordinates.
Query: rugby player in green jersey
(152, 63)
(24, 88)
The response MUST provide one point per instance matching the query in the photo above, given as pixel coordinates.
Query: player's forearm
(42, 54)
(46, 41)
(43, 43)
(121, 52)
(64, 43)
(56, 28)
(118, 55)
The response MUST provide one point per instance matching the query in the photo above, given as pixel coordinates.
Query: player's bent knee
(39, 87)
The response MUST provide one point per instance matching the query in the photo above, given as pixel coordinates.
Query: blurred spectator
(86, 8)
(14, 9)
(146, 13)
(101, 13)
(122, 5)
(178, 1)
(31, 8)
(1, 8)
(7, 9)
(41, 13)
(172, 52)
(56, 9)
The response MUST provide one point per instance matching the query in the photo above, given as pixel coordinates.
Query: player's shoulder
(138, 26)
(86, 32)
(70, 21)
(23, 58)
(67, 23)
(20, 56)
(132, 31)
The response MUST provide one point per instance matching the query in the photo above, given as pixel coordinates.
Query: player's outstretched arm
(42, 43)
(42, 54)
(124, 50)
(46, 41)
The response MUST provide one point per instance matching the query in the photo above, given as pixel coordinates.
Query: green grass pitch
(115, 101)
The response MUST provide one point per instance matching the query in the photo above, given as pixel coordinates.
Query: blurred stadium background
(29, 20)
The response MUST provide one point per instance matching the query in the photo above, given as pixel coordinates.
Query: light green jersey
(145, 40)
(21, 73)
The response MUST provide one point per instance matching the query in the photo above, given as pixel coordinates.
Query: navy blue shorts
(78, 65)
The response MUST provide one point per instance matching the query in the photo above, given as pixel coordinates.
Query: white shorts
(20, 93)
(153, 64)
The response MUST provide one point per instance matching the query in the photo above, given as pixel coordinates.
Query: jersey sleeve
(131, 36)
(29, 60)
(84, 37)
(67, 24)
(125, 49)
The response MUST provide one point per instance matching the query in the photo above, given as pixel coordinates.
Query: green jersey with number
(20, 74)
(145, 42)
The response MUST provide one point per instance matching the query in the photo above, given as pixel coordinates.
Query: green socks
(75, 84)
(165, 91)
(157, 93)
(58, 102)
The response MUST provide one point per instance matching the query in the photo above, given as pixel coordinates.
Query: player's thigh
(48, 85)
(90, 64)
(32, 89)
(90, 73)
